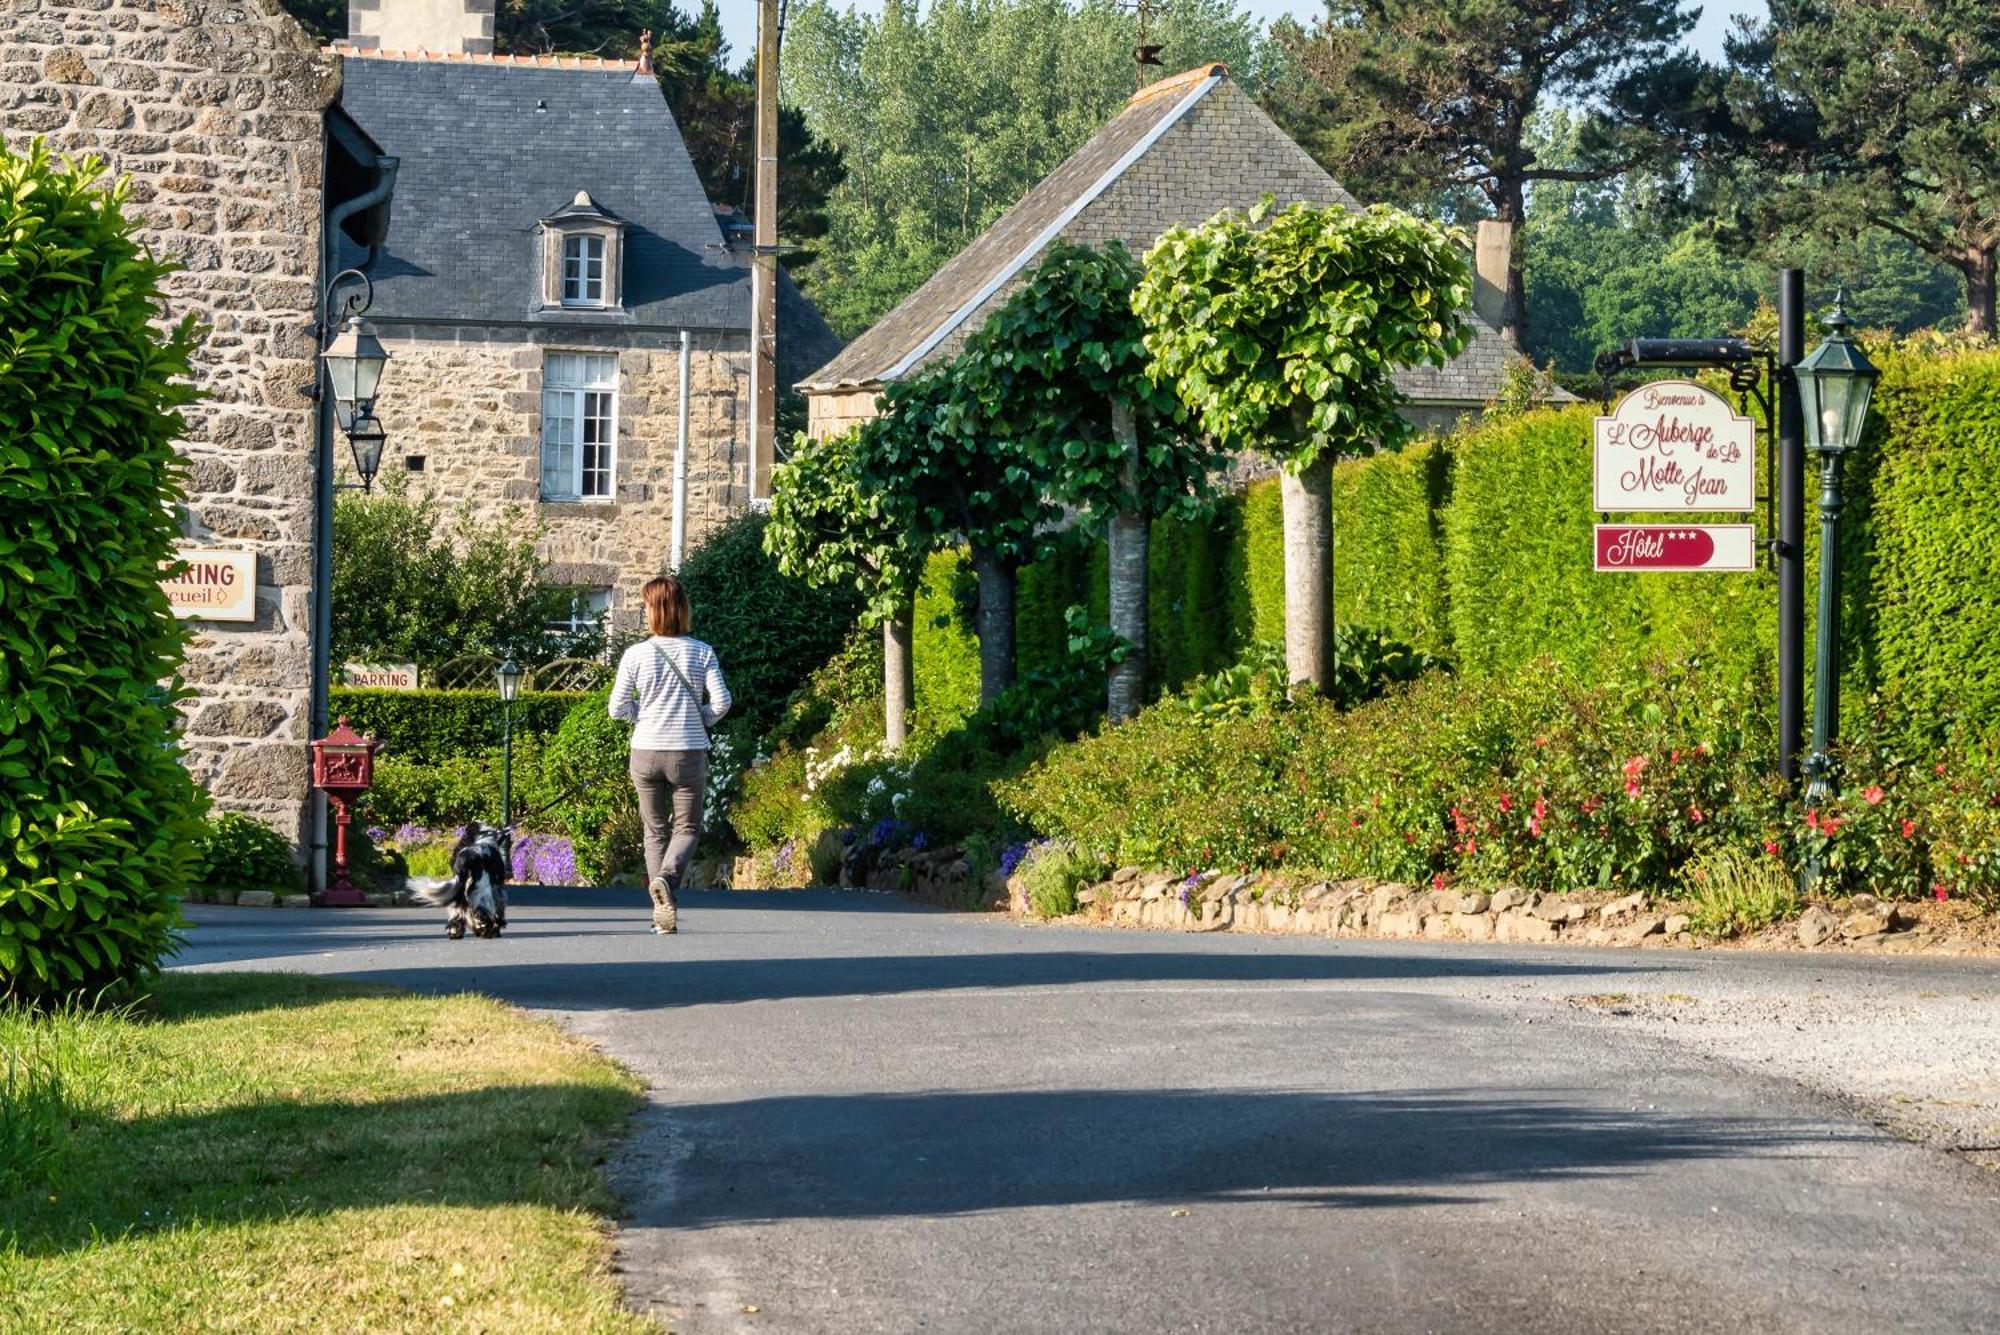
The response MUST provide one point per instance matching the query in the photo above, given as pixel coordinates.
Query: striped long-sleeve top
(651, 696)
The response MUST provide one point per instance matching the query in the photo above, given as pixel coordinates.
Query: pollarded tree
(953, 474)
(832, 526)
(1063, 366)
(1282, 334)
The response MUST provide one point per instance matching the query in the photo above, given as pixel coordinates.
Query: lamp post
(1835, 384)
(510, 686)
(353, 361)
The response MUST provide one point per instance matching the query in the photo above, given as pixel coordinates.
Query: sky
(739, 19)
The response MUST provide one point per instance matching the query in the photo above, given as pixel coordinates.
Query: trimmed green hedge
(99, 823)
(1931, 560)
(431, 727)
(1476, 548)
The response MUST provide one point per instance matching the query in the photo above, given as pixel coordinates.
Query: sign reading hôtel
(1674, 446)
(1664, 547)
(213, 585)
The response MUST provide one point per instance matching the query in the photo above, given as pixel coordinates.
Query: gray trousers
(670, 786)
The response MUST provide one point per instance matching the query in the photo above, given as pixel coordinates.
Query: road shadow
(947, 1152)
(676, 982)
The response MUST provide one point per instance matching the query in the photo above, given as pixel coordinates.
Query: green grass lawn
(272, 1153)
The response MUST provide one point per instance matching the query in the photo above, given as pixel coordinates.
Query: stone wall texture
(468, 402)
(212, 108)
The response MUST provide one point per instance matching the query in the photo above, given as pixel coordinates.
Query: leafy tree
(98, 819)
(1063, 366)
(835, 524)
(1874, 115)
(1281, 334)
(769, 628)
(412, 584)
(1422, 96)
(957, 477)
(946, 113)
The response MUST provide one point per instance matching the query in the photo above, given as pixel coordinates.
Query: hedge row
(432, 727)
(1477, 548)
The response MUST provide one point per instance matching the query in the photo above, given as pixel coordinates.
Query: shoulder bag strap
(687, 686)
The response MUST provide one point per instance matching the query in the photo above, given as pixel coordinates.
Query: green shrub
(430, 726)
(586, 794)
(98, 820)
(237, 852)
(944, 653)
(448, 793)
(1733, 891)
(413, 582)
(1930, 546)
(1257, 569)
(1537, 779)
(1188, 595)
(1388, 564)
(1052, 874)
(768, 629)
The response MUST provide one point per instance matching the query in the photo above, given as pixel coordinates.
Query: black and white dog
(476, 894)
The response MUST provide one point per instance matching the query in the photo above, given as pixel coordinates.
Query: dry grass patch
(271, 1152)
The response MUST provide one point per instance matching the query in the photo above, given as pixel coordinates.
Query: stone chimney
(441, 27)
(1492, 252)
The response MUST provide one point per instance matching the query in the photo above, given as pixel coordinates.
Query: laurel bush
(98, 820)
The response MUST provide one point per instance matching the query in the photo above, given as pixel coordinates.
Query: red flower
(1812, 819)
(1673, 757)
(1439, 881)
(1535, 820)
(1694, 814)
(1829, 825)
(1941, 890)
(1635, 767)
(1873, 794)
(1506, 802)
(1592, 803)
(1909, 828)
(1459, 823)
(1940, 769)
(1357, 822)
(1771, 847)
(1409, 836)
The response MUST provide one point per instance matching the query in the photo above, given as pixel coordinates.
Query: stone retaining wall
(1250, 902)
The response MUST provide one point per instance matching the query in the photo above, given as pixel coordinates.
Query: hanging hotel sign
(1676, 547)
(1674, 446)
(212, 585)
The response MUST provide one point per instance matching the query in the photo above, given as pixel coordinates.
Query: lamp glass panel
(1836, 390)
(510, 680)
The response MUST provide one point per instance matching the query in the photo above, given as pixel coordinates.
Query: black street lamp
(1835, 384)
(510, 686)
(353, 361)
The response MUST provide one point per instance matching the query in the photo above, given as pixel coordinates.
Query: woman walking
(670, 688)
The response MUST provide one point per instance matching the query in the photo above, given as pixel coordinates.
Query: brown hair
(666, 606)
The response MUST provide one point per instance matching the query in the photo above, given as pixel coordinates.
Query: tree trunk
(1130, 535)
(1979, 290)
(1308, 504)
(995, 625)
(896, 680)
(1513, 209)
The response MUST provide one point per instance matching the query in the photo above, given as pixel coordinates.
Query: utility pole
(764, 261)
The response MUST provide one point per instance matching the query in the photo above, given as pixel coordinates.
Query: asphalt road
(870, 1117)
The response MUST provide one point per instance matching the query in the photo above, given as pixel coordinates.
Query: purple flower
(409, 832)
(918, 841)
(1010, 858)
(377, 833)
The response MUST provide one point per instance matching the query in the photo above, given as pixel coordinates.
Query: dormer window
(582, 257)
(583, 270)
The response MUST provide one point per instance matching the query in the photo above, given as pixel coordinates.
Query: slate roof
(875, 355)
(489, 147)
(933, 320)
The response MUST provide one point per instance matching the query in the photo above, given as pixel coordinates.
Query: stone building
(1182, 150)
(214, 110)
(564, 319)
(551, 249)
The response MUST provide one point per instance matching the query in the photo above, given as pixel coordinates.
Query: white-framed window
(579, 426)
(583, 269)
(587, 612)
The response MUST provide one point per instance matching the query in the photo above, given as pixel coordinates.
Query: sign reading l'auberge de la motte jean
(1674, 446)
